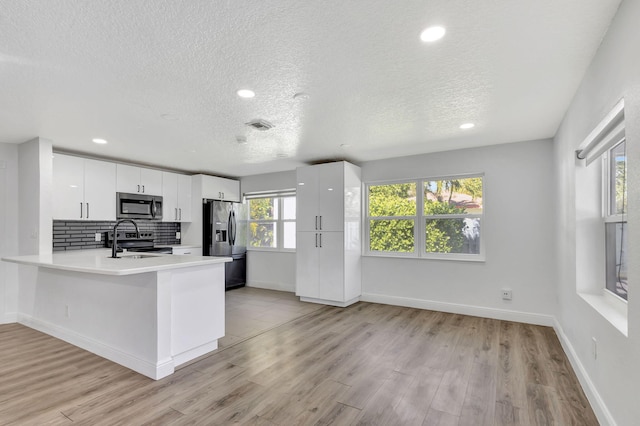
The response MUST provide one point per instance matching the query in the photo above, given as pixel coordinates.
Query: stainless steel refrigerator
(224, 234)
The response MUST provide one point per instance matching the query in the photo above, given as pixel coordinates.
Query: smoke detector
(260, 124)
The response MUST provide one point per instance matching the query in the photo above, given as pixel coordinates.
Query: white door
(331, 196)
(68, 187)
(184, 198)
(307, 214)
(99, 190)
(331, 266)
(307, 252)
(150, 181)
(128, 179)
(169, 197)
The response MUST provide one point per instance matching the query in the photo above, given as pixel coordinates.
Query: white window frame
(607, 208)
(419, 220)
(279, 221)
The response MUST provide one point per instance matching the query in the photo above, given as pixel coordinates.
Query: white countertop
(99, 261)
(186, 246)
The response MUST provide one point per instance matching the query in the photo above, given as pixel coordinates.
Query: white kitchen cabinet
(176, 197)
(138, 180)
(328, 246)
(217, 188)
(184, 198)
(322, 188)
(181, 251)
(83, 189)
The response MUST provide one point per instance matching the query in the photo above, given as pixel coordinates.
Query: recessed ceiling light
(467, 126)
(246, 93)
(432, 34)
(301, 96)
(99, 141)
(241, 139)
(170, 117)
(345, 145)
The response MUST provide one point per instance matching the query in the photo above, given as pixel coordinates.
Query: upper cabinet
(176, 197)
(218, 188)
(321, 197)
(83, 189)
(138, 180)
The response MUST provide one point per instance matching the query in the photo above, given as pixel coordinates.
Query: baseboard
(456, 308)
(330, 302)
(9, 318)
(149, 369)
(272, 286)
(599, 407)
(194, 353)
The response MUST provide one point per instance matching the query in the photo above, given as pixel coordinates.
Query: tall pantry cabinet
(328, 245)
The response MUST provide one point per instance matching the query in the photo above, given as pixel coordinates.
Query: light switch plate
(177, 235)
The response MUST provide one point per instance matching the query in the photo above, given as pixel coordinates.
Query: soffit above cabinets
(159, 80)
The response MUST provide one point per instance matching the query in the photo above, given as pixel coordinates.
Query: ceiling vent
(260, 124)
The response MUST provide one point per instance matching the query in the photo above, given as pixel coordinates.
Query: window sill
(445, 257)
(614, 311)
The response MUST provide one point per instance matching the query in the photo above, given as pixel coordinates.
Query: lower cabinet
(325, 271)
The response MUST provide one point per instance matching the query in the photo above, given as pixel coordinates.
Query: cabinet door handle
(176, 213)
(316, 223)
(320, 240)
(138, 188)
(316, 239)
(87, 210)
(321, 228)
(80, 210)
(223, 195)
(180, 216)
(143, 189)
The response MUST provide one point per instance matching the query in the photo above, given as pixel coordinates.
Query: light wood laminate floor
(366, 364)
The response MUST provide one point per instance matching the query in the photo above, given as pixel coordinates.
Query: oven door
(137, 206)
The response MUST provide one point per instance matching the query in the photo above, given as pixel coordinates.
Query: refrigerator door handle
(229, 226)
(235, 228)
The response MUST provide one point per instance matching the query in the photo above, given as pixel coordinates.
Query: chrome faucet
(114, 248)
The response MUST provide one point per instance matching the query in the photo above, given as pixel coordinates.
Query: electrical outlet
(177, 235)
(507, 294)
(594, 348)
(98, 236)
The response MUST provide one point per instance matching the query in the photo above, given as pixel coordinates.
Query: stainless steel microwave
(138, 206)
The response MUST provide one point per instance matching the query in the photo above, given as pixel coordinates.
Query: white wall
(8, 231)
(517, 228)
(35, 206)
(615, 374)
(269, 269)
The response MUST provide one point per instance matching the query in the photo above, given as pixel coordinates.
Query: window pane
(616, 258)
(455, 196)
(398, 199)
(391, 235)
(263, 209)
(289, 235)
(262, 234)
(453, 235)
(289, 210)
(618, 179)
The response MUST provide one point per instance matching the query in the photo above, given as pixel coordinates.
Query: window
(615, 220)
(601, 227)
(272, 221)
(433, 218)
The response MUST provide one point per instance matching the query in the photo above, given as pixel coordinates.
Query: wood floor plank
(478, 408)
(368, 364)
(440, 418)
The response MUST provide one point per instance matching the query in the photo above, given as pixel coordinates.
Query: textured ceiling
(158, 79)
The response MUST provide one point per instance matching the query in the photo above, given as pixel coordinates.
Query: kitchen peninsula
(148, 312)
